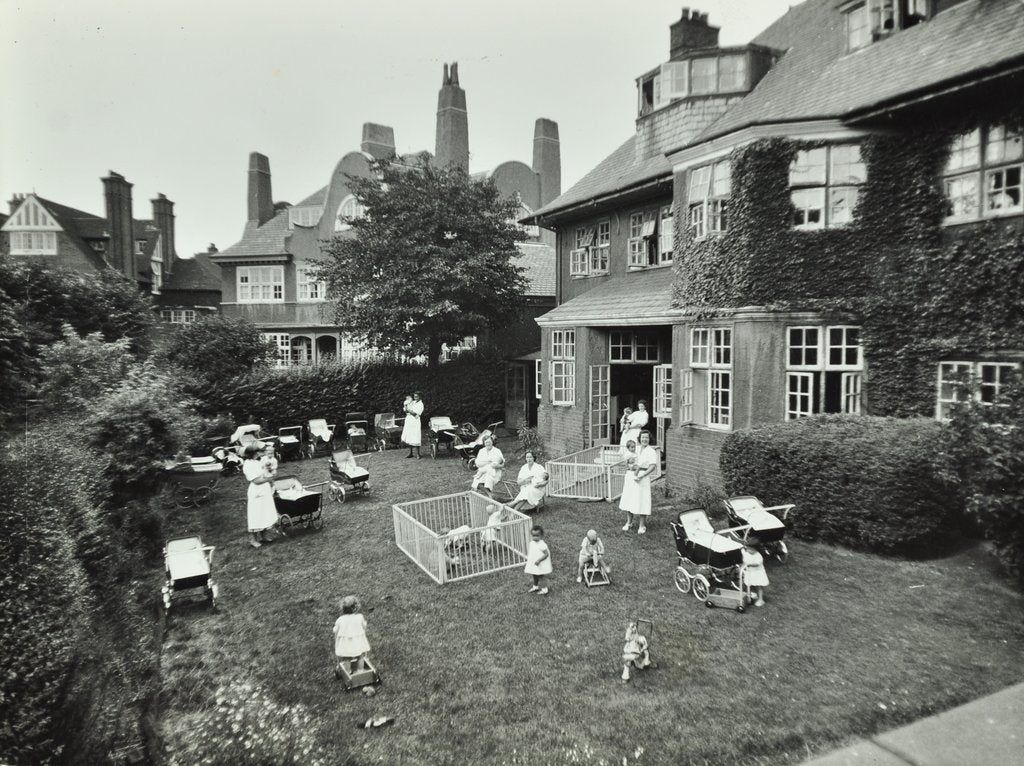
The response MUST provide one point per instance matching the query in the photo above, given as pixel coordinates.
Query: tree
(216, 349)
(429, 263)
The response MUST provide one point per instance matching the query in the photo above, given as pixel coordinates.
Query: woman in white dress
(412, 431)
(532, 481)
(630, 500)
(260, 509)
(634, 424)
(647, 460)
(489, 462)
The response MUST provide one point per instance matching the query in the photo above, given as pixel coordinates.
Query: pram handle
(318, 484)
(784, 508)
(734, 531)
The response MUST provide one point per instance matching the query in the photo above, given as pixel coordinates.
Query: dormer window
(304, 216)
(698, 76)
(349, 210)
(140, 246)
(98, 245)
(871, 20)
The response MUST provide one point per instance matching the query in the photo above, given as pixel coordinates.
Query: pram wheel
(318, 523)
(741, 609)
(183, 496)
(337, 493)
(471, 464)
(682, 579)
(701, 588)
(284, 521)
(202, 496)
(433, 450)
(781, 552)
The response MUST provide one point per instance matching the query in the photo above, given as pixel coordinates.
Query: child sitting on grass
(351, 646)
(635, 651)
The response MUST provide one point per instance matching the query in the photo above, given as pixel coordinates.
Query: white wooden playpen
(421, 528)
(596, 473)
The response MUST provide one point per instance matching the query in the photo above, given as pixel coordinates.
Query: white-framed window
(666, 235)
(732, 73)
(726, 73)
(984, 174)
(685, 396)
(260, 284)
(708, 198)
(700, 347)
(599, 250)
(283, 342)
(140, 246)
(579, 256)
(824, 369)
(304, 216)
(960, 381)
(178, 316)
(349, 210)
(563, 366)
(721, 347)
(156, 269)
(33, 243)
(301, 350)
(825, 186)
(309, 289)
(351, 349)
(871, 20)
(637, 245)
(627, 346)
(662, 391)
(720, 399)
(538, 377)
(704, 75)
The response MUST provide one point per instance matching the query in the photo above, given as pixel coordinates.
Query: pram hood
(441, 423)
(319, 428)
(384, 420)
(344, 462)
(750, 511)
(251, 428)
(697, 539)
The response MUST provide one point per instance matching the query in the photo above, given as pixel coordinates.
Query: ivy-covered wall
(921, 291)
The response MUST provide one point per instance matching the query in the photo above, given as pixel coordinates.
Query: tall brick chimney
(378, 140)
(163, 219)
(452, 144)
(117, 193)
(547, 159)
(261, 203)
(14, 203)
(691, 32)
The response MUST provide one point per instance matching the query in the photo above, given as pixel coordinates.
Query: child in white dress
(635, 652)
(351, 646)
(755, 578)
(538, 561)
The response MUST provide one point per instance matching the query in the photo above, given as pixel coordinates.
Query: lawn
(479, 672)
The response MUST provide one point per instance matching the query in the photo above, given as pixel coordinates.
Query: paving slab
(859, 754)
(986, 732)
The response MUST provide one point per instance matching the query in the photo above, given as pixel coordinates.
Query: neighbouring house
(826, 220)
(265, 275)
(42, 231)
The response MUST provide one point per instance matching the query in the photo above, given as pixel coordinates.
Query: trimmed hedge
(471, 388)
(863, 482)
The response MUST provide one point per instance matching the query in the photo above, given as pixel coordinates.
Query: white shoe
(533, 589)
(625, 528)
(625, 674)
(579, 579)
(759, 602)
(642, 531)
(543, 592)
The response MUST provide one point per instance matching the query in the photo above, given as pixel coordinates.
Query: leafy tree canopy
(217, 349)
(429, 263)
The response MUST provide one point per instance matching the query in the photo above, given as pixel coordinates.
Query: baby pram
(346, 472)
(289, 441)
(194, 480)
(710, 563)
(387, 429)
(297, 504)
(319, 437)
(469, 448)
(758, 527)
(355, 431)
(441, 431)
(247, 434)
(188, 564)
(229, 460)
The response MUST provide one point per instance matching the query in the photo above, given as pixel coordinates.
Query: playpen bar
(510, 534)
(417, 542)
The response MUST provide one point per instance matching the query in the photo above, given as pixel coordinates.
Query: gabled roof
(618, 171)
(268, 239)
(77, 225)
(196, 273)
(538, 263)
(316, 198)
(641, 298)
(818, 79)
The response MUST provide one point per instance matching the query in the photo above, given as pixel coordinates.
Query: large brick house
(732, 260)
(43, 231)
(265, 274)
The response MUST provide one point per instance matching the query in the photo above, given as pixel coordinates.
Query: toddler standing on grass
(351, 646)
(755, 578)
(538, 561)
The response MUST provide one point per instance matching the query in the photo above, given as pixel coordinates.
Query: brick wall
(692, 457)
(678, 123)
(562, 428)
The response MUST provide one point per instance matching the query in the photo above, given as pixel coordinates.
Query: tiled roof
(268, 239)
(196, 273)
(538, 261)
(316, 198)
(617, 171)
(644, 297)
(816, 78)
(73, 221)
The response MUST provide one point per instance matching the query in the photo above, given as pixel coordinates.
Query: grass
(481, 672)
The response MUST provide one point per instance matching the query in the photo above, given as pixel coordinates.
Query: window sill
(706, 427)
(990, 216)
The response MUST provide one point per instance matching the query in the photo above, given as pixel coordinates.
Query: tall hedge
(863, 482)
(470, 388)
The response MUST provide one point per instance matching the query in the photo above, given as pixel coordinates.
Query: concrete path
(986, 732)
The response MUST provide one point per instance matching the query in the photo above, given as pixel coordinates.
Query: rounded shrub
(864, 482)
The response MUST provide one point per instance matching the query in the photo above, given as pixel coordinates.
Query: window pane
(841, 203)
(962, 196)
(732, 73)
(1003, 189)
(808, 167)
(858, 33)
(807, 204)
(965, 151)
(1003, 145)
(723, 179)
(699, 183)
(847, 167)
(705, 75)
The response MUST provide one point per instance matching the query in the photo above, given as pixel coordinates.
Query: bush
(529, 440)
(982, 454)
(469, 388)
(217, 349)
(75, 371)
(865, 482)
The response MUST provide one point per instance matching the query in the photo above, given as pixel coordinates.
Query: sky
(175, 95)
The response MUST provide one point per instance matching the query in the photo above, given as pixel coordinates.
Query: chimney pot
(117, 194)
(692, 32)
